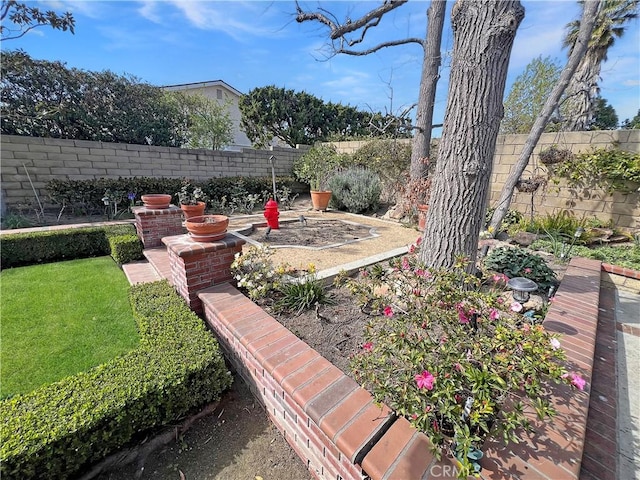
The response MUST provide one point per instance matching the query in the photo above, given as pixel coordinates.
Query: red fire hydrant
(271, 213)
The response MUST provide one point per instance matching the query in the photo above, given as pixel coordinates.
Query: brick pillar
(199, 265)
(153, 224)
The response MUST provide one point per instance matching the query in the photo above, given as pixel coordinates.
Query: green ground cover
(62, 318)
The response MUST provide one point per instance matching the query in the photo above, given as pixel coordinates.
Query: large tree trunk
(431, 61)
(483, 36)
(582, 42)
(581, 93)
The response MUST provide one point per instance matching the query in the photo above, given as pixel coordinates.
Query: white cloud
(237, 19)
(149, 11)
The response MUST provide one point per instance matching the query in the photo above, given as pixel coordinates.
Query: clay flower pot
(193, 210)
(207, 228)
(156, 200)
(320, 199)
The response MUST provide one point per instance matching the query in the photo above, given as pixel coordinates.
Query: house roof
(211, 83)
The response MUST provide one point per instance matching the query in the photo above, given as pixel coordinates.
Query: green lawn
(61, 318)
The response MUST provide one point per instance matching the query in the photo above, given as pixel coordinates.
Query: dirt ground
(235, 442)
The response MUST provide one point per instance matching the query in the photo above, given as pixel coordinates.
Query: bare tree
(342, 43)
(589, 15)
(483, 37)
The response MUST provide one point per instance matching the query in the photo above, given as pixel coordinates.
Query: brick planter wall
(340, 434)
(153, 224)
(198, 265)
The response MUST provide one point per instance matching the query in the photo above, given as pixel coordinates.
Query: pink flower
(419, 241)
(412, 249)
(500, 278)
(425, 380)
(388, 311)
(576, 380)
(367, 347)
(527, 270)
(555, 343)
(405, 263)
(457, 366)
(463, 316)
(516, 307)
(494, 314)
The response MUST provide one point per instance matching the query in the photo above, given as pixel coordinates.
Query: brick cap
(144, 211)
(184, 246)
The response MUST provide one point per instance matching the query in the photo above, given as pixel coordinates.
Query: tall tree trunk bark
(426, 98)
(483, 37)
(581, 93)
(586, 26)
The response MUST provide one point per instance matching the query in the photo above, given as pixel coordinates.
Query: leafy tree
(604, 115)
(26, 18)
(528, 95)
(610, 19)
(47, 99)
(301, 118)
(209, 122)
(632, 124)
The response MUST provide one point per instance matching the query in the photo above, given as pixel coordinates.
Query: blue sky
(251, 44)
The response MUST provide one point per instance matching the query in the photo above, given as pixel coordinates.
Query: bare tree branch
(379, 47)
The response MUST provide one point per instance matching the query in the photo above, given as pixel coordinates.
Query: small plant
(355, 189)
(518, 262)
(15, 220)
(513, 217)
(555, 154)
(449, 355)
(190, 195)
(298, 296)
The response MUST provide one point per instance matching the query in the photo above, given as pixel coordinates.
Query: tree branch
(380, 46)
(369, 20)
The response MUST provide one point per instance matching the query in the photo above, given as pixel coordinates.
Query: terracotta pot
(156, 200)
(422, 216)
(320, 200)
(193, 210)
(207, 228)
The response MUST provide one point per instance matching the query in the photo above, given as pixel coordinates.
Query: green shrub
(518, 262)
(61, 428)
(42, 247)
(85, 196)
(317, 165)
(355, 190)
(512, 217)
(611, 169)
(125, 248)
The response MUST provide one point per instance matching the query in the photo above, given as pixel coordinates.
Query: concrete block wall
(47, 158)
(622, 210)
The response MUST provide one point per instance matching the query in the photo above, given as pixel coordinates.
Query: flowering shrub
(287, 288)
(447, 352)
(255, 273)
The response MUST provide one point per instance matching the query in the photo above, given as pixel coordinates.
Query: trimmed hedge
(125, 248)
(57, 430)
(22, 249)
